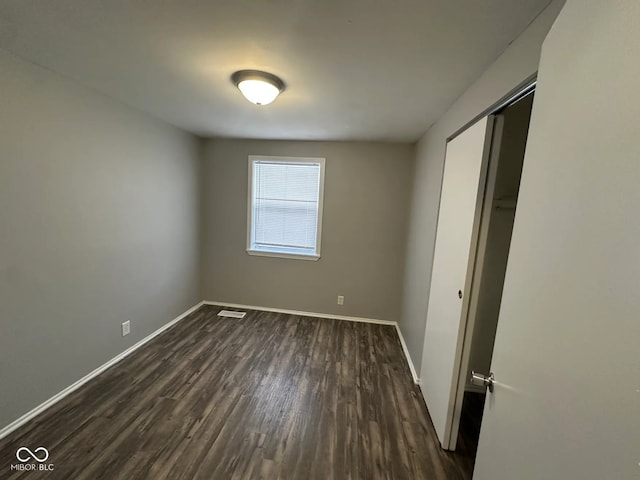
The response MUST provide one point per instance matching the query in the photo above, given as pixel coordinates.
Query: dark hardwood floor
(469, 431)
(270, 396)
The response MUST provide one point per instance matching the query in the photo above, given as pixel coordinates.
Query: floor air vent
(229, 313)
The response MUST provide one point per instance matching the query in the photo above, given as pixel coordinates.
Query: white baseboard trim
(298, 312)
(329, 316)
(416, 380)
(73, 387)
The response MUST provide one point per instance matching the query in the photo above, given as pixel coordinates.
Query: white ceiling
(354, 69)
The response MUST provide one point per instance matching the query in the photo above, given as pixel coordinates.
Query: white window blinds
(285, 206)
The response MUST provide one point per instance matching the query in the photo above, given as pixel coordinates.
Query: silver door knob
(483, 381)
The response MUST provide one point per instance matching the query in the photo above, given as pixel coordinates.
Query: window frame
(250, 201)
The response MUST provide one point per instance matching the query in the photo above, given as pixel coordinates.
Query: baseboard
(298, 312)
(416, 380)
(329, 316)
(71, 388)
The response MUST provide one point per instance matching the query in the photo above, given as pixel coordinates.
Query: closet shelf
(505, 203)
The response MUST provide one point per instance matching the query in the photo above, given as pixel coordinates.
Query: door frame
(476, 252)
(455, 406)
(473, 280)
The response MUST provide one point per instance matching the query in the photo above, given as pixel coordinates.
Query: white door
(458, 217)
(567, 355)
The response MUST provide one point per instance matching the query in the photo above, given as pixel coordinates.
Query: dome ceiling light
(258, 87)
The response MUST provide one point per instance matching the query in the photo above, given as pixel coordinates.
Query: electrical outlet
(340, 299)
(126, 328)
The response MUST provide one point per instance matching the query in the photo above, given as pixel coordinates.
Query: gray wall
(516, 64)
(366, 200)
(567, 355)
(98, 225)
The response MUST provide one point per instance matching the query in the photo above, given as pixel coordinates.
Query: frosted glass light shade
(258, 87)
(259, 91)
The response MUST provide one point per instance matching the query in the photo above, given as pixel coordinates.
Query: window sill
(294, 256)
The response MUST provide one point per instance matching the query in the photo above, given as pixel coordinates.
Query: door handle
(483, 381)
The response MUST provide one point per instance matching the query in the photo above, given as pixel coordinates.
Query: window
(285, 206)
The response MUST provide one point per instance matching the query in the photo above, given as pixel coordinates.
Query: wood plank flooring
(469, 432)
(269, 396)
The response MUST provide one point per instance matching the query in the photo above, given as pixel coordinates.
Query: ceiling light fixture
(258, 87)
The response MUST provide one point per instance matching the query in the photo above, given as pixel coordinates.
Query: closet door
(458, 220)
